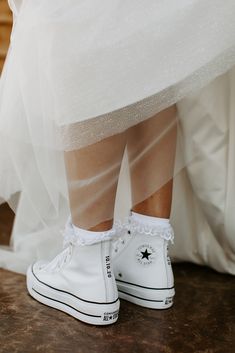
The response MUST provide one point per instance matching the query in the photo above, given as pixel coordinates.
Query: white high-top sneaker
(80, 280)
(142, 266)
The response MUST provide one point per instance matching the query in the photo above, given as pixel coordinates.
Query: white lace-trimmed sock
(149, 225)
(149, 219)
(76, 235)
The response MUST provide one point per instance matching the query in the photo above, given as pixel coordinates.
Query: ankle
(100, 227)
(150, 208)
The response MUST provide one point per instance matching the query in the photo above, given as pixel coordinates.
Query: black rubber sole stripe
(138, 285)
(73, 295)
(58, 301)
(135, 296)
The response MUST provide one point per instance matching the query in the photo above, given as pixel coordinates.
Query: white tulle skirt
(78, 72)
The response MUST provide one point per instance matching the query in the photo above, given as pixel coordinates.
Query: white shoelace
(71, 239)
(60, 260)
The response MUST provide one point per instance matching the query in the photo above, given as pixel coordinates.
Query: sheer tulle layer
(80, 72)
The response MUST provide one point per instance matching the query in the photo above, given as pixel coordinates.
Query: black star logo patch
(145, 254)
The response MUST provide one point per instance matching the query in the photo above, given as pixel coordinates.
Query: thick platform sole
(153, 298)
(88, 312)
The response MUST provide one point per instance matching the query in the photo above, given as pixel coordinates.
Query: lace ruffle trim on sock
(72, 236)
(164, 231)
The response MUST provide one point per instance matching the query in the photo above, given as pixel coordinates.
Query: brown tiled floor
(201, 320)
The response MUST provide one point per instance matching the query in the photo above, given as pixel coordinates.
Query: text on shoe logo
(145, 254)
(110, 316)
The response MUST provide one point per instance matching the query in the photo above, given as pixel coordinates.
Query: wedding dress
(78, 72)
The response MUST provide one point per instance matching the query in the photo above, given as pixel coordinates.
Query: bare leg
(158, 204)
(151, 151)
(92, 174)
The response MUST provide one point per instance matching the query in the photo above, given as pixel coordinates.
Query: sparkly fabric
(77, 135)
